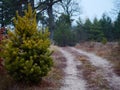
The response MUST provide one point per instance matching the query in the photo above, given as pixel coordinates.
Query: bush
(26, 52)
(104, 40)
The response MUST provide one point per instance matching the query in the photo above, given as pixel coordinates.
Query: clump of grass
(109, 50)
(95, 81)
(117, 68)
(115, 58)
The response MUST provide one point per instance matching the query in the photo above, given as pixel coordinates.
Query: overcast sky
(95, 8)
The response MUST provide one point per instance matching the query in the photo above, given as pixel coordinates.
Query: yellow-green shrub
(104, 40)
(26, 54)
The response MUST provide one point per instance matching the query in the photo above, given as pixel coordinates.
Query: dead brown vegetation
(110, 51)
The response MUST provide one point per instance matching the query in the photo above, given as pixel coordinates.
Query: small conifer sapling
(26, 52)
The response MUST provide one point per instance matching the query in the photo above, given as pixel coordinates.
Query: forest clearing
(94, 72)
(48, 45)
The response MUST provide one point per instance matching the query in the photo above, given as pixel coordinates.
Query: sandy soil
(74, 76)
(105, 68)
(71, 80)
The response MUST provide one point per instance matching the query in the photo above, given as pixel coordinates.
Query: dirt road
(71, 80)
(87, 71)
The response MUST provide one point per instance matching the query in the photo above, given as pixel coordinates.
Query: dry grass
(110, 51)
(115, 58)
(95, 81)
(5, 81)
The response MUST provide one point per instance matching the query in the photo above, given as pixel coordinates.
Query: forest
(60, 21)
(43, 45)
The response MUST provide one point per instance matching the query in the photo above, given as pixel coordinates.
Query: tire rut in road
(95, 81)
(71, 80)
(105, 68)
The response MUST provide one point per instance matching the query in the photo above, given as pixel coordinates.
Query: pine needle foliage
(26, 51)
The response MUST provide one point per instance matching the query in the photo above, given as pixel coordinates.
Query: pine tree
(26, 51)
(63, 35)
(107, 27)
(95, 32)
(117, 28)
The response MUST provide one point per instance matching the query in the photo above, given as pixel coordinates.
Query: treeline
(102, 30)
(59, 22)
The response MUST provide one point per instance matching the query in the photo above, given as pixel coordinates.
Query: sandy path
(71, 80)
(105, 68)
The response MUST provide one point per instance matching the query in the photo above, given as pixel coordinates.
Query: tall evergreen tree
(117, 28)
(95, 32)
(63, 34)
(81, 33)
(87, 27)
(107, 27)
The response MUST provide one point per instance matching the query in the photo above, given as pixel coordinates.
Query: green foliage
(87, 28)
(98, 29)
(104, 40)
(93, 30)
(26, 52)
(96, 33)
(9, 8)
(107, 27)
(117, 28)
(80, 32)
(8, 13)
(102, 30)
(64, 35)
